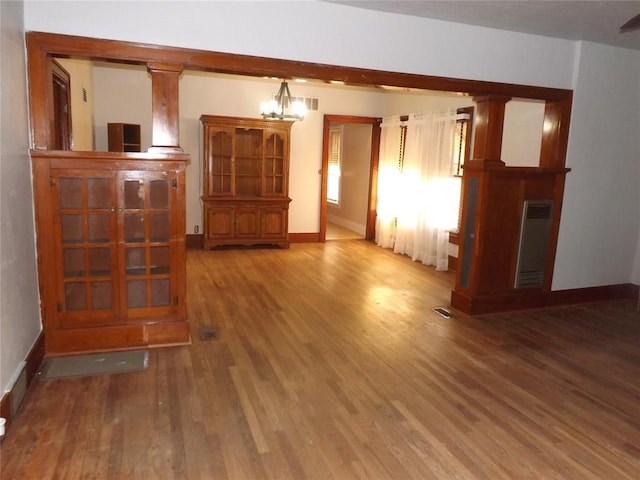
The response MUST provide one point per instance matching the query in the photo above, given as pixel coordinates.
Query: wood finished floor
(328, 363)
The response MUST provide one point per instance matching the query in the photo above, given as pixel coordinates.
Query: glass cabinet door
(219, 174)
(274, 166)
(84, 202)
(145, 203)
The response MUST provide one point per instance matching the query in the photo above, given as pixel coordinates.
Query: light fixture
(281, 107)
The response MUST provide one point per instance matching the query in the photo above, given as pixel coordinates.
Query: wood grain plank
(327, 362)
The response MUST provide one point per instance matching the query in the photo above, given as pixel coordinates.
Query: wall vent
(535, 234)
(310, 102)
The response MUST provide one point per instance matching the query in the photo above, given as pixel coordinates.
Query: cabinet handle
(112, 209)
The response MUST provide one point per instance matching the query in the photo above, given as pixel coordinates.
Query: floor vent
(208, 333)
(443, 312)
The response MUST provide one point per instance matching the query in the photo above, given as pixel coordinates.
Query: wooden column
(489, 119)
(164, 106)
(555, 132)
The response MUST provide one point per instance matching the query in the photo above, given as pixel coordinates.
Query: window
(333, 172)
(462, 141)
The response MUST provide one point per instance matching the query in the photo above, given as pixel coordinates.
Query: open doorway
(349, 177)
(61, 87)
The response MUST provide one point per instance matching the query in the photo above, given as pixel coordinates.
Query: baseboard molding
(195, 240)
(348, 224)
(304, 237)
(532, 299)
(12, 400)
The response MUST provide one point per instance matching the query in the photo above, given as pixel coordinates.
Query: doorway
(61, 85)
(351, 211)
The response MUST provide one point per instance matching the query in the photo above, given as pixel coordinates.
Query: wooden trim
(526, 299)
(453, 263)
(42, 45)
(33, 362)
(487, 145)
(117, 337)
(304, 237)
(143, 53)
(195, 240)
(555, 134)
(373, 170)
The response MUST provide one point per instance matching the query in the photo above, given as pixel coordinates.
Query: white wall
(355, 167)
(600, 217)
(318, 32)
(122, 94)
(522, 133)
(19, 306)
(601, 204)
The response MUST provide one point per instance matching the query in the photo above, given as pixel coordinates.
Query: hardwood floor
(337, 232)
(327, 362)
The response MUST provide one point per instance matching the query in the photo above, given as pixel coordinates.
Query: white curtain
(425, 194)
(388, 181)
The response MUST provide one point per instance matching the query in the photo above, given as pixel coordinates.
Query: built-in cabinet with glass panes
(245, 181)
(115, 245)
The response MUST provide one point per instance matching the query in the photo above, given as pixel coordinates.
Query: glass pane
(73, 262)
(99, 262)
(70, 191)
(278, 185)
(134, 227)
(159, 227)
(220, 144)
(98, 193)
(160, 260)
(71, 228)
(160, 292)
(275, 146)
(220, 184)
(136, 293)
(159, 194)
(135, 261)
(75, 296)
(133, 194)
(101, 295)
(99, 228)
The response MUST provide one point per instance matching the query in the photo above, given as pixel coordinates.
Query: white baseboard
(353, 226)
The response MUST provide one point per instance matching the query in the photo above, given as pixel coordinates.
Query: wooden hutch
(245, 181)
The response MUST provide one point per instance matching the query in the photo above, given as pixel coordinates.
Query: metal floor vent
(207, 333)
(443, 312)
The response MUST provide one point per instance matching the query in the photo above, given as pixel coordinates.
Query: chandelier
(281, 107)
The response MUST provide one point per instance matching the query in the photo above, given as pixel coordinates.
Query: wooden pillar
(489, 119)
(164, 107)
(555, 132)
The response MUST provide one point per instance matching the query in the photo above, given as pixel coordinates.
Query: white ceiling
(594, 21)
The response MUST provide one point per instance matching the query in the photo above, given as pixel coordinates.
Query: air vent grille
(535, 234)
(539, 210)
(310, 102)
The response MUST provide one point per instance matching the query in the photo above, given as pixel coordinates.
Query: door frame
(61, 104)
(375, 122)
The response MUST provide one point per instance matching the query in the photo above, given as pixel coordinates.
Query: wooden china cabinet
(245, 184)
(111, 241)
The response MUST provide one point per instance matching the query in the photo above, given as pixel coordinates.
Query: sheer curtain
(426, 195)
(388, 181)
